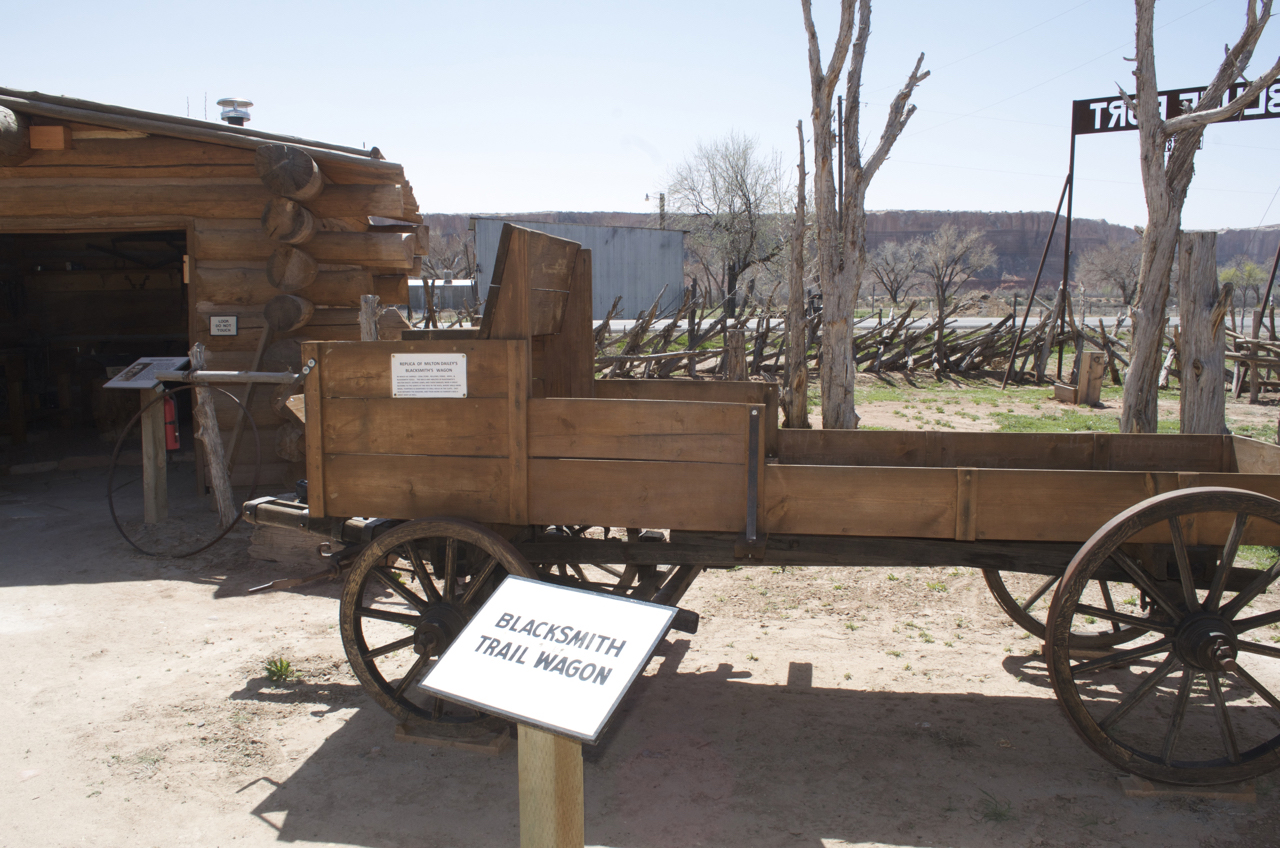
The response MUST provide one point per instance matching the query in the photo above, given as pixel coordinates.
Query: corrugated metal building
(634, 262)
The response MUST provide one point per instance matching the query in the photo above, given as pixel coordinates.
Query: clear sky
(505, 106)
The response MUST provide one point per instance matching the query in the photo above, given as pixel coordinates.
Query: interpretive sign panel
(550, 656)
(141, 374)
(429, 375)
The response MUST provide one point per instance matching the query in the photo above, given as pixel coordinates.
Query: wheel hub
(1207, 641)
(440, 625)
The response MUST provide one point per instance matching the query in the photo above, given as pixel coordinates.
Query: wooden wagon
(1158, 641)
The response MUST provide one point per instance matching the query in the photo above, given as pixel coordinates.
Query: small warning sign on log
(553, 657)
(428, 375)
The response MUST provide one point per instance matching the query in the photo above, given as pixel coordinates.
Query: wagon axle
(1206, 641)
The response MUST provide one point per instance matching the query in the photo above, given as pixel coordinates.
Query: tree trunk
(1141, 384)
(1203, 346)
(797, 405)
(839, 301)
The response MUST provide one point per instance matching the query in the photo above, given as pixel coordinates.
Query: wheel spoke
(400, 589)
(478, 582)
(1105, 588)
(1123, 618)
(1242, 625)
(385, 615)
(1184, 566)
(1256, 588)
(1039, 593)
(1224, 720)
(1149, 683)
(1179, 712)
(1258, 689)
(1144, 582)
(1121, 657)
(388, 648)
(420, 571)
(1257, 648)
(450, 568)
(409, 675)
(1214, 598)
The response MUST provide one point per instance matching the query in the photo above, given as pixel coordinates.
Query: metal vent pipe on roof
(235, 111)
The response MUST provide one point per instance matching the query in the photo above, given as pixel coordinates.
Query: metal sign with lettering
(428, 375)
(550, 656)
(1112, 114)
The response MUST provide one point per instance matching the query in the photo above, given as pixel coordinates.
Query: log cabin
(125, 233)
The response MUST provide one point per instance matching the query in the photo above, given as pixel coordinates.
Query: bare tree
(1165, 179)
(840, 287)
(950, 258)
(823, 88)
(730, 199)
(894, 265)
(796, 407)
(1113, 266)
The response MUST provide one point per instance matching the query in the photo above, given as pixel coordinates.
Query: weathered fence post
(735, 354)
(1202, 306)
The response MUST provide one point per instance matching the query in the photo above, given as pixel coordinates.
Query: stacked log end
(290, 269)
(288, 171)
(288, 221)
(15, 147)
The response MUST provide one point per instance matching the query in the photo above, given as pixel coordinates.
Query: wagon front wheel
(1195, 699)
(406, 599)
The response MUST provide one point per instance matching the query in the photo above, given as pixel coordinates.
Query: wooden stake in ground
(155, 479)
(207, 432)
(551, 809)
(1202, 306)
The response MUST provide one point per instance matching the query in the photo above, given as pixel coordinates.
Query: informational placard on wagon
(429, 375)
(553, 657)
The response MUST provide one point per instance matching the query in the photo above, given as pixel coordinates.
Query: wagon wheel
(1195, 700)
(1025, 599)
(408, 595)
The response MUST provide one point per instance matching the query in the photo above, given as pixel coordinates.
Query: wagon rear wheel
(1025, 598)
(1194, 699)
(408, 595)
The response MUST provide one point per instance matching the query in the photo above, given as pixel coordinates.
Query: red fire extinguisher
(170, 424)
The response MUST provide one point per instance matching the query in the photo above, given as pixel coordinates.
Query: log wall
(212, 185)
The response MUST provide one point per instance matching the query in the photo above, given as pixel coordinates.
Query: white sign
(550, 656)
(222, 325)
(429, 375)
(141, 374)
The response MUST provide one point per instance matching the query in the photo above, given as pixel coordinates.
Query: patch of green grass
(937, 585)
(280, 670)
(892, 577)
(894, 653)
(992, 809)
(753, 657)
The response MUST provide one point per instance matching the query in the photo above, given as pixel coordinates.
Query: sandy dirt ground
(808, 711)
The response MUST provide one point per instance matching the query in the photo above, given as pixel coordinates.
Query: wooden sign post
(142, 377)
(558, 661)
(551, 811)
